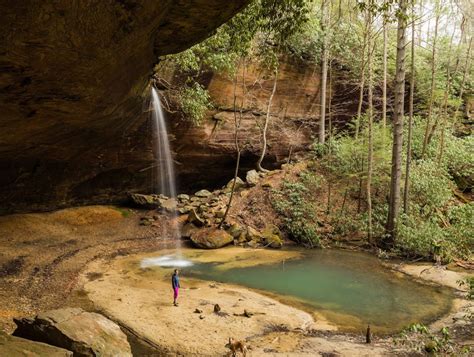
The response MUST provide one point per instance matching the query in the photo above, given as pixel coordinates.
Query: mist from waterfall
(164, 182)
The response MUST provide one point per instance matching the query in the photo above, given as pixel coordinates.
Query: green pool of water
(350, 289)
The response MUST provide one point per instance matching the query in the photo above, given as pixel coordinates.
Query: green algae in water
(350, 289)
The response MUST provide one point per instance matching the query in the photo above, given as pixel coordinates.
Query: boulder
(188, 229)
(252, 177)
(84, 333)
(272, 237)
(183, 197)
(253, 234)
(194, 218)
(236, 230)
(16, 346)
(185, 209)
(203, 194)
(211, 238)
(146, 201)
(239, 183)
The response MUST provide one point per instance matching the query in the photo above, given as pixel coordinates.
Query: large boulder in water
(211, 238)
(16, 346)
(84, 333)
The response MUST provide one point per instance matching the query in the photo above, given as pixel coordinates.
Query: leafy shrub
(461, 229)
(195, 101)
(429, 237)
(298, 212)
(422, 238)
(459, 159)
(430, 185)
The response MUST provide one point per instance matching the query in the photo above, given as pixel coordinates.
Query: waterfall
(165, 181)
(166, 184)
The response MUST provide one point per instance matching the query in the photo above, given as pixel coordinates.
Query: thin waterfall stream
(164, 181)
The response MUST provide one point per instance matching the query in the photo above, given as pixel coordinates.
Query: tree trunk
(324, 74)
(330, 135)
(394, 201)
(237, 123)
(265, 127)
(432, 87)
(370, 122)
(410, 111)
(361, 84)
(384, 84)
(464, 76)
(449, 77)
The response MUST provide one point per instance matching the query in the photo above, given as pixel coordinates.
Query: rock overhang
(72, 81)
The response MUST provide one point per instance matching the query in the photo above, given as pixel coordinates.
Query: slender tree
(361, 81)
(394, 200)
(384, 65)
(324, 73)
(267, 119)
(370, 114)
(449, 79)
(432, 86)
(237, 123)
(330, 134)
(406, 189)
(464, 77)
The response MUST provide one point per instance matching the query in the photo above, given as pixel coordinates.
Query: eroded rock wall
(206, 154)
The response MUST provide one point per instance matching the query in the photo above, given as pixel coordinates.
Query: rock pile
(205, 211)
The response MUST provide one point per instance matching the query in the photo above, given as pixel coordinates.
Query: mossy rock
(272, 237)
(253, 234)
(236, 230)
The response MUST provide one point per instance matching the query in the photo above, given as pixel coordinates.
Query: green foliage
(461, 229)
(430, 185)
(259, 31)
(423, 238)
(459, 159)
(435, 226)
(294, 204)
(349, 155)
(420, 338)
(195, 101)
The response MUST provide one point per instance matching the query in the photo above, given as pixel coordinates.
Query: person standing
(175, 284)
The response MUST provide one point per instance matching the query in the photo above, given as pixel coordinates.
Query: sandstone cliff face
(207, 153)
(72, 80)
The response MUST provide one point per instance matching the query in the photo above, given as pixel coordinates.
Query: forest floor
(42, 256)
